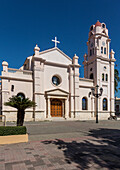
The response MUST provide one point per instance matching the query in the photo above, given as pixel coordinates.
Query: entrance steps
(58, 119)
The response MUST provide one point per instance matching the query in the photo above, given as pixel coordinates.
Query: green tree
(116, 79)
(20, 104)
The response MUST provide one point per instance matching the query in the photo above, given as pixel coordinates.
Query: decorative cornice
(39, 59)
(106, 59)
(98, 34)
(85, 86)
(98, 57)
(56, 90)
(85, 79)
(24, 71)
(74, 65)
(17, 79)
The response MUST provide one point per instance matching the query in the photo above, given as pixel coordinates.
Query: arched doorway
(56, 108)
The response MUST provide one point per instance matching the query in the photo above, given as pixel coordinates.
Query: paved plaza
(65, 145)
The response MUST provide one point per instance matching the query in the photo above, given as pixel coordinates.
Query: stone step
(58, 119)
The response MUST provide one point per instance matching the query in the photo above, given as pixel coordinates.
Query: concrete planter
(13, 139)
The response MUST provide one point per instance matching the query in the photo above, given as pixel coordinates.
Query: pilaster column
(49, 115)
(63, 110)
(66, 109)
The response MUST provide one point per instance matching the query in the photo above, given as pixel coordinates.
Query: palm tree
(20, 104)
(116, 79)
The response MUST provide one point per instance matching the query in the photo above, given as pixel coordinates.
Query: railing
(13, 70)
(4, 123)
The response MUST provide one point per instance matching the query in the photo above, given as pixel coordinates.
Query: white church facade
(51, 79)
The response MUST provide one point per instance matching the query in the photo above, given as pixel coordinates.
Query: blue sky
(23, 23)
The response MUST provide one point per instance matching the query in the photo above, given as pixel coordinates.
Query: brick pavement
(95, 148)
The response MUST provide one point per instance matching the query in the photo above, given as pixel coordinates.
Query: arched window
(104, 32)
(91, 52)
(91, 76)
(103, 77)
(104, 104)
(84, 103)
(103, 25)
(91, 34)
(12, 88)
(101, 50)
(105, 50)
(21, 95)
(106, 77)
(91, 28)
(104, 67)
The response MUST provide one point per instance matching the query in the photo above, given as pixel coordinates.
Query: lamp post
(97, 95)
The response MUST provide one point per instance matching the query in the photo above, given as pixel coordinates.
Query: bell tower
(98, 47)
(99, 63)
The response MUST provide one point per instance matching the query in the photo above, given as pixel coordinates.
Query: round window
(21, 95)
(56, 80)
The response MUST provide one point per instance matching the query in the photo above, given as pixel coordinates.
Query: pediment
(57, 92)
(55, 55)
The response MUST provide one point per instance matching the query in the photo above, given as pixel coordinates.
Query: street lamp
(97, 95)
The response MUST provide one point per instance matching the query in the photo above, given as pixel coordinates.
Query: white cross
(56, 41)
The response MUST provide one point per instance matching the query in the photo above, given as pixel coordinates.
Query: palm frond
(19, 103)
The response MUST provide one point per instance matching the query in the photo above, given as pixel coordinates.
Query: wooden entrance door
(56, 108)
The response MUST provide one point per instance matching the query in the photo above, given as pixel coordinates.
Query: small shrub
(12, 130)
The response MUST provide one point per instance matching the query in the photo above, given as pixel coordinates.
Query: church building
(51, 79)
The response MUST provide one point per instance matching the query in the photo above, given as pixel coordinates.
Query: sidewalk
(65, 145)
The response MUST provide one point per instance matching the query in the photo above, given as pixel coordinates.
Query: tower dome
(4, 63)
(98, 24)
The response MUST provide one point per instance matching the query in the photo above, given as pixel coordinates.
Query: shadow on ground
(101, 149)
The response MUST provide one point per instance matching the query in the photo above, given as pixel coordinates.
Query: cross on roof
(56, 41)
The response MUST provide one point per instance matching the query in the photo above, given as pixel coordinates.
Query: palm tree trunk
(23, 115)
(20, 117)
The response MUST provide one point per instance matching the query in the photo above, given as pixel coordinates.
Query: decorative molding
(56, 90)
(24, 71)
(85, 86)
(94, 35)
(17, 79)
(75, 65)
(84, 79)
(98, 57)
(6, 91)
